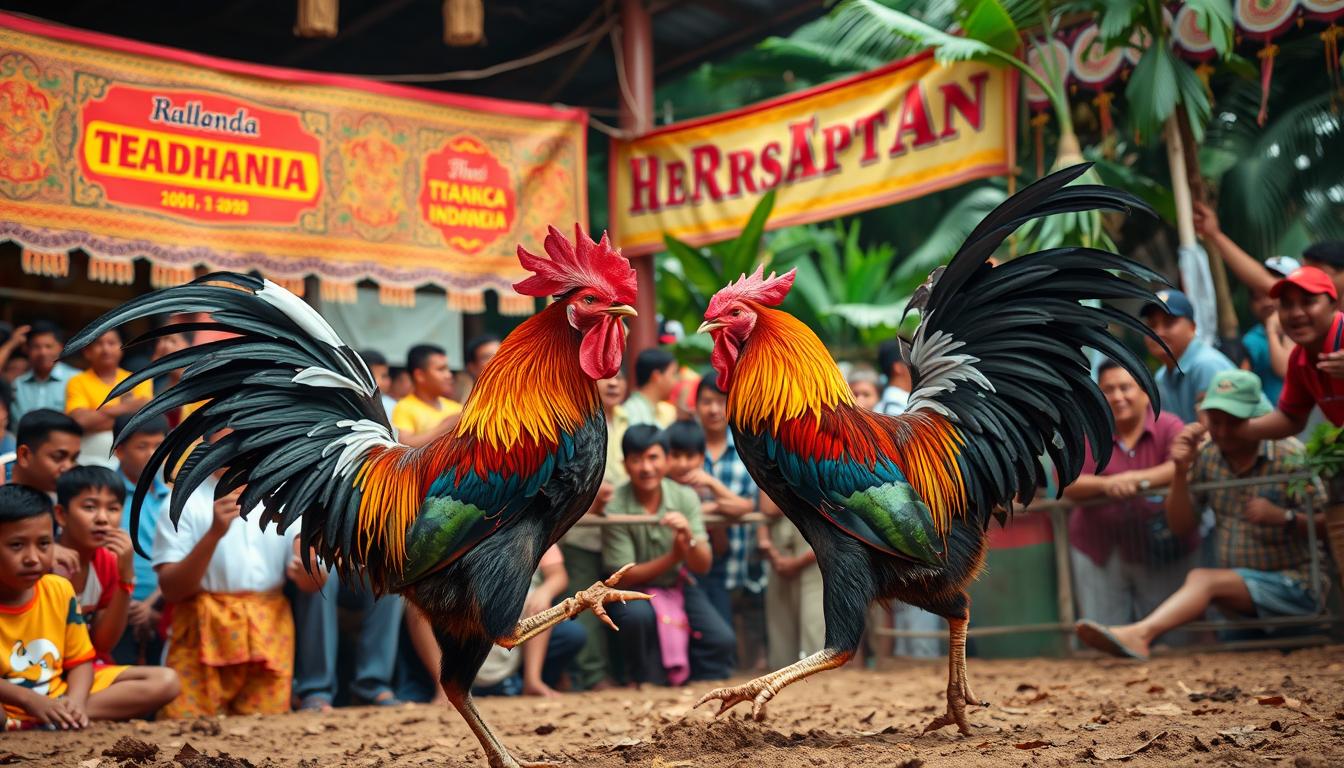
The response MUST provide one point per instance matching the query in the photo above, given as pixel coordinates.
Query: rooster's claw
(758, 692)
(595, 597)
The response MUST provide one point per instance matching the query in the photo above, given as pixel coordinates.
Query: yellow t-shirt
(41, 640)
(413, 415)
(86, 390)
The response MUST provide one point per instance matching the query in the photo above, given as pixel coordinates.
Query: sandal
(1101, 638)
(384, 699)
(315, 703)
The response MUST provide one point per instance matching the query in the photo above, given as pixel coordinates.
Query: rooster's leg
(495, 752)
(591, 598)
(764, 688)
(958, 687)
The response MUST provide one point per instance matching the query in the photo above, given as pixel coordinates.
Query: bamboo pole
(1199, 191)
(317, 18)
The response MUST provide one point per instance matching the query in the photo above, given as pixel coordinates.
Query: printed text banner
(128, 150)
(896, 133)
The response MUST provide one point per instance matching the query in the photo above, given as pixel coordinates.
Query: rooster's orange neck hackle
(527, 397)
(784, 372)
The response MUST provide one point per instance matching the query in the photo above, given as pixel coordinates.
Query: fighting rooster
(459, 525)
(898, 507)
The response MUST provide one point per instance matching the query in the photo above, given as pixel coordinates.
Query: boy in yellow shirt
(86, 391)
(50, 678)
(426, 413)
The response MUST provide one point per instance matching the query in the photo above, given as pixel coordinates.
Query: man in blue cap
(1260, 539)
(1186, 372)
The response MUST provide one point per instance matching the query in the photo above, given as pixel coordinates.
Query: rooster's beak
(622, 310)
(709, 325)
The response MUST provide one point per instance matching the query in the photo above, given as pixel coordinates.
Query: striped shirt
(1239, 543)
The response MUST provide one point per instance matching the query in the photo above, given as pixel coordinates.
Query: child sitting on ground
(50, 678)
(88, 513)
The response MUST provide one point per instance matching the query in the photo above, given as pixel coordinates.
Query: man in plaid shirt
(1260, 538)
(737, 571)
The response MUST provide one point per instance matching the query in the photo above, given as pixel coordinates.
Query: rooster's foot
(958, 696)
(595, 597)
(763, 689)
(508, 761)
(758, 692)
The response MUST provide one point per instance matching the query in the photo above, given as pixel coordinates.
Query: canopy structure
(325, 163)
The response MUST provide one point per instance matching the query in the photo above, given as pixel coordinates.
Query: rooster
(898, 507)
(457, 526)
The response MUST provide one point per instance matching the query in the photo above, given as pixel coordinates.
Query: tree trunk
(1227, 313)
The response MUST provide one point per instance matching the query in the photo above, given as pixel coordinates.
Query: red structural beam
(637, 118)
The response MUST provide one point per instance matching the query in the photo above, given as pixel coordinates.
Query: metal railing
(1059, 520)
(1059, 515)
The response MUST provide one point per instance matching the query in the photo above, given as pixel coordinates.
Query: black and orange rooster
(898, 507)
(459, 525)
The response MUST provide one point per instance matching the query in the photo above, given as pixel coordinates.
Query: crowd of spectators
(222, 617)
(1176, 528)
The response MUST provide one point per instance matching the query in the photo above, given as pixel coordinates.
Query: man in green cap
(1260, 540)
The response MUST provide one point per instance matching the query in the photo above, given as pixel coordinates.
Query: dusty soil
(1228, 709)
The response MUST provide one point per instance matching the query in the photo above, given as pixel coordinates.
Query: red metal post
(636, 97)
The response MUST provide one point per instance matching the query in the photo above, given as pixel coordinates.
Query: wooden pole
(463, 22)
(317, 18)
(1199, 191)
(636, 98)
(1180, 186)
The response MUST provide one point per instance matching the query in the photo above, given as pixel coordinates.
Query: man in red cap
(1308, 313)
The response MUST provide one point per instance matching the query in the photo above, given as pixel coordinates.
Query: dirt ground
(1227, 709)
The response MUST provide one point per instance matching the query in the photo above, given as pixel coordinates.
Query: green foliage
(1117, 174)
(989, 22)
(850, 293)
(1280, 185)
(689, 276)
(1215, 16)
(844, 291)
(1161, 82)
(1324, 457)
(988, 33)
(943, 240)
(1115, 20)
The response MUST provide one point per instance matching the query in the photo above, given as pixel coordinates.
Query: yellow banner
(899, 132)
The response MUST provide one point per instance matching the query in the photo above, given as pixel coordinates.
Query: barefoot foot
(1121, 642)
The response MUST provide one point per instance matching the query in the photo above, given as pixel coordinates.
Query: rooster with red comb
(459, 525)
(897, 508)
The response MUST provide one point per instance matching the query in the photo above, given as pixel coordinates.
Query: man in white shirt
(231, 641)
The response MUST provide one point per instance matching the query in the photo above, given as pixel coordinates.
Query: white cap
(1282, 265)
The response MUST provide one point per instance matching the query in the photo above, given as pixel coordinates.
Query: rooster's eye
(737, 313)
(588, 299)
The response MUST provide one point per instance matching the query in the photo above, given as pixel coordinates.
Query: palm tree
(1280, 186)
